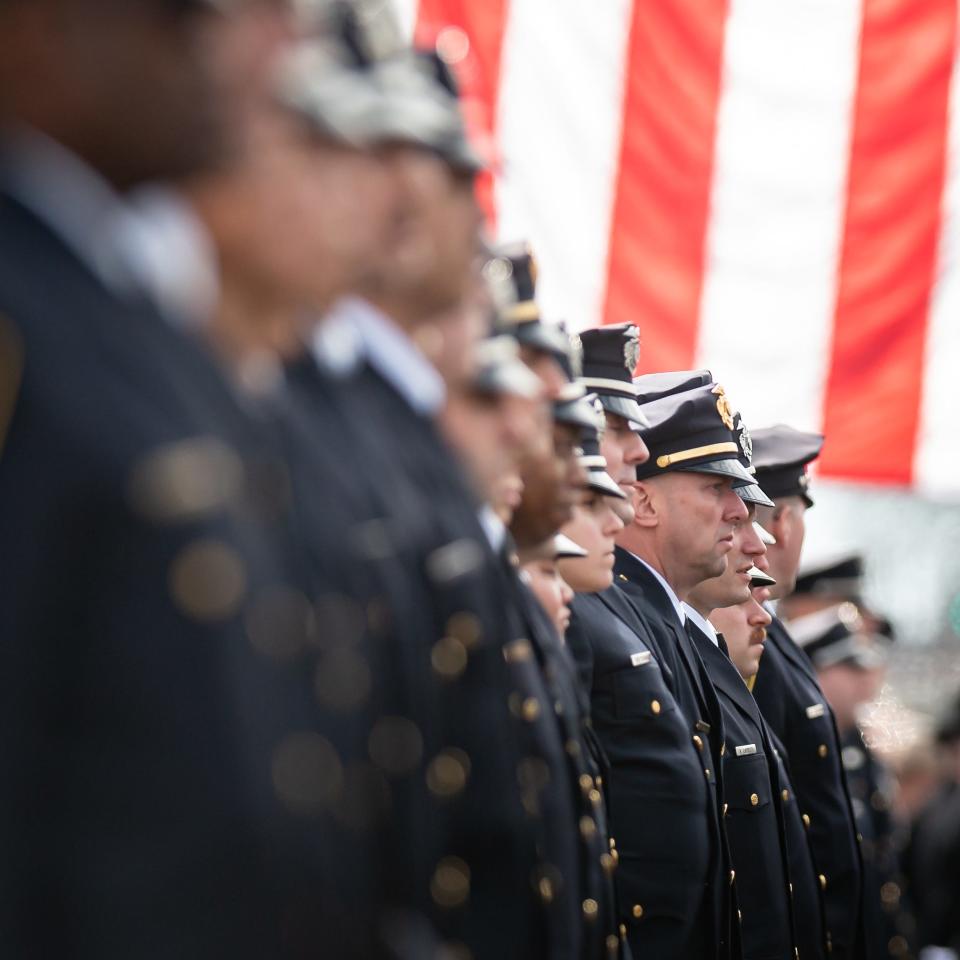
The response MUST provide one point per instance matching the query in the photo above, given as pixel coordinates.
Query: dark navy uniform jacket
(792, 703)
(753, 815)
(478, 865)
(661, 802)
(591, 912)
(887, 903)
(135, 545)
(808, 905)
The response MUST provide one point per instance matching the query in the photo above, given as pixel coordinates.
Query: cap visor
(545, 337)
(765, 536)
(760, 579)
(512, 379)
(725, 468)
(602, 482)
(753, 494)
(622, 407)
(564, 548)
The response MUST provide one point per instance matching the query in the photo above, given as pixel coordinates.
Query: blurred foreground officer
(686, 513)
(792, 702)
(133, 540)
(753, 814)
(493, 865)
(581, 888)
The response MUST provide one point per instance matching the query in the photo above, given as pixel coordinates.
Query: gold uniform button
(785, 795)
(623, 930)
(706, 773)
(655, 707)
(637, 911)
(595, 797)
(608, 862)
(823, 882)
(586, 782)
(599, 782)
(723, 749)
(613, 843)
(590, 909)
(588, 827)
(613, 943)
(822, 750)
(733, 876)
(698, 742)
(726, 807)
(806, 821)
(531, 709)
(754, 800)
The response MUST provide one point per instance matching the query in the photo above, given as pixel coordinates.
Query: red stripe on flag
(890, 240)
(658, 228)
(478, 74)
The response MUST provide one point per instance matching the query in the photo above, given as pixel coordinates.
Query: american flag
(768, 188)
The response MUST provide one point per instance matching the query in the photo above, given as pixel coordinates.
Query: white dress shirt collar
(674, 599)
(705, 625)
(173, 255)
(73, 200)
(355, 329)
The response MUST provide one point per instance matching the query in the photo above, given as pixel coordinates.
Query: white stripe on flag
(406, 12)
(777, 204)
(937, 457)
(560, 109)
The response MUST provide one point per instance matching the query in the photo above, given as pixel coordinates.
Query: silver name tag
(639, 659)
(815, 711)
(746, 750)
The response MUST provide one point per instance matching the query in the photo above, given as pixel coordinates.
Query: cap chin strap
(668, 459)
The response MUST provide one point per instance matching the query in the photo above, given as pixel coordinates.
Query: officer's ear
(645, 505)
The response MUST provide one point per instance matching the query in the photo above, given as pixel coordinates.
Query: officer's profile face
(552, 483)
(733, 585)
(448, 338)
(785, 521)
(438, 241)
(688, 520)
(548, 586)
(295, 219)
(624, 449)
(488, 432)
(547, 368)
(744, 628)
(593, 527)
(142, 90)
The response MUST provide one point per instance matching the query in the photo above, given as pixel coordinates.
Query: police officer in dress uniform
(744, 629)
(475, 717)
(609, 357)
(686, 512)
(934, 855)
(850, 662)
(792, 703)
(134, 543)
(754, 818)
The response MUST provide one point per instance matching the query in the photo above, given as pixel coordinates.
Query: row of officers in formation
(349, 608)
